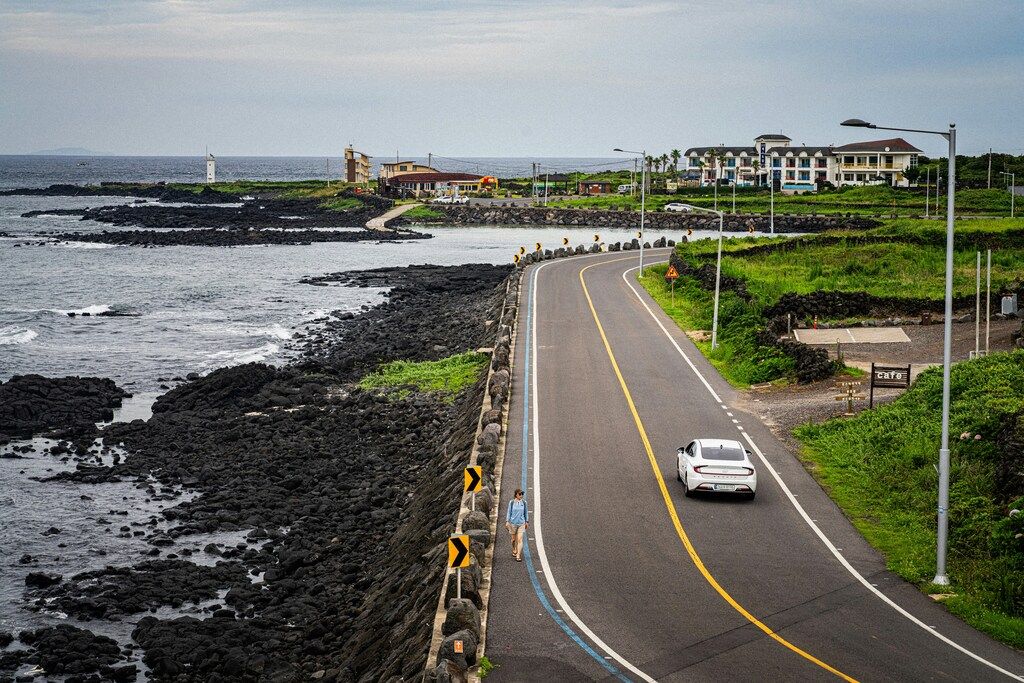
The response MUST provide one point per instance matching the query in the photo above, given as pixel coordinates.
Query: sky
(526, 78)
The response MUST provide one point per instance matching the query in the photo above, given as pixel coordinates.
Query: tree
(913, 174)
(712, 156)
(756, 165)
(675, 154)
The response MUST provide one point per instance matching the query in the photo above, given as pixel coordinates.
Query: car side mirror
(749, 454)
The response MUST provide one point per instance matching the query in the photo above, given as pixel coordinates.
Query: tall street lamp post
(1013, 181)
(643, 189)
(941, 578)
(718, 271)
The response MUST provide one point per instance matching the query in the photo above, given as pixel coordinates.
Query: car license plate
(725, 487)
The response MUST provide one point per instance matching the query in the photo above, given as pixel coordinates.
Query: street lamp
(643, 189)
(1013, 181)
(941, 578)
(718, 271)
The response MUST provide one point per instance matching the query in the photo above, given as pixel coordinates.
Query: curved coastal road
(626, 579)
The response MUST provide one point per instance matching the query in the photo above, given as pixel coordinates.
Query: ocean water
(185, 309)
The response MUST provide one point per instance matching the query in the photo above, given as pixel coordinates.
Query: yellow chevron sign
(458, 552)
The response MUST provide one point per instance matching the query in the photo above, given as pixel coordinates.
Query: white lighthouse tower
(211, 168)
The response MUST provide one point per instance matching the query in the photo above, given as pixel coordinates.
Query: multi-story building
(393, 169)
(357, 166)
(876, 161)
(802, 168)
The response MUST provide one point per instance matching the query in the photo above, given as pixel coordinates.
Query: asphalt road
(609, 590)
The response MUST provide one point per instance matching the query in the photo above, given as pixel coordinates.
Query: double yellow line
(691, 551)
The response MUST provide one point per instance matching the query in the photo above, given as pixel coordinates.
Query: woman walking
(516, 520)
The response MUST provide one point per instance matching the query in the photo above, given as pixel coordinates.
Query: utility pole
(990, 168)
(430, 159)
(927, 188)
(533, 182)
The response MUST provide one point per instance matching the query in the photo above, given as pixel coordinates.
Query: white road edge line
(803, 513)
(548, 576)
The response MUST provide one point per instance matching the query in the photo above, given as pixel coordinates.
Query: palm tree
(675, 154)
(756, 165)
(712, 156)
(664, 163)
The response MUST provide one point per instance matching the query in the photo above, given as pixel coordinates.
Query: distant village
(772, 159)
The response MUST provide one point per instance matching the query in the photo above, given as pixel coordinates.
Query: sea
(182, 310)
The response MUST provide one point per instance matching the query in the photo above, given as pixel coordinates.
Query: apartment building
(357, 166)
(805, 167)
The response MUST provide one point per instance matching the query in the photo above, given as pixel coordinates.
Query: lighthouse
(211, 168)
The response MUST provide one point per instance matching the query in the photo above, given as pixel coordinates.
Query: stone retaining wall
(659, 220)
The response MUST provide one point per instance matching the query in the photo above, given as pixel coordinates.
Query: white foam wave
(84, 245)
(241, 356)
(12, 334)
(95, 309)
(279, 332)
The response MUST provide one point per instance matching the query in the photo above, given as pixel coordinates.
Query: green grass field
(879, 468)
(861, 201)
(423, 213)
(446, 377)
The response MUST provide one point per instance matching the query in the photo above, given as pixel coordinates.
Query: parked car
(450, 199)
(626, 189)
(678, 207)
(716, 466)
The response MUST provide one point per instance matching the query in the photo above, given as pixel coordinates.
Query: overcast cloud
(551, 78)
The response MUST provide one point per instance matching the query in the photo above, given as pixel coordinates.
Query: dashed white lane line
(836, 552)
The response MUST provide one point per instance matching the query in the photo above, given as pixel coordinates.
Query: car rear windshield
(723, 453)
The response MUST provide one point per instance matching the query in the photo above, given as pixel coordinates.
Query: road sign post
(850, 395)
(473, 481)
(885, 376)
(672, 275)
(458, 557)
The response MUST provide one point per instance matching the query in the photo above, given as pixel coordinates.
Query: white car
(716, 465)
(451, 199)
(681, 208)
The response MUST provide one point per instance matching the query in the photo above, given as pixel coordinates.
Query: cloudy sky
(525, 78)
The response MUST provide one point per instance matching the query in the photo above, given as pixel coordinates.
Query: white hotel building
(802, 167)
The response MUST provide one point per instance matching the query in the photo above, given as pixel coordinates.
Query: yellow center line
(671, 506)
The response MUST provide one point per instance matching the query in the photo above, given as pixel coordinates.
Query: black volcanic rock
(30, 404)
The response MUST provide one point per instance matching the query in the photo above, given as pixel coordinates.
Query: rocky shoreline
(345, 498)
(239, 237)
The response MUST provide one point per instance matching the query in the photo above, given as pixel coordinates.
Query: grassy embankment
(423, 213)
(445, 377)
(879, 467)
(870, 200)
(332, 195)
(910, 263)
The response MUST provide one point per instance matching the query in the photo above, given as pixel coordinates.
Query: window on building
(873, 160)
(403, 168)
(913, 161)
(820, 175)
(805, 163)
(694, 162)
(821, 163)
(790, 163)
(730, 174)
(848, 177)
(805, 175)
(848, 160)
(731, 163)
(776, 162)
(744, 161)
(862, 161)
(790, 175)
(860, 177)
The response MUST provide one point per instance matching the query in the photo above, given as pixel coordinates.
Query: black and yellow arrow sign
(522, 250)
(458, 552)
(565, 240)
(639, 234)
(689, 231)
(538, 247)
(474, 479)
(751, 229)
(515, 258)
(597, 238)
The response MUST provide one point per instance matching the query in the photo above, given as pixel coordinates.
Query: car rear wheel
(686, 488)
(750, 496)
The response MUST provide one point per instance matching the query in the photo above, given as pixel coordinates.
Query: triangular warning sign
(672, 273)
